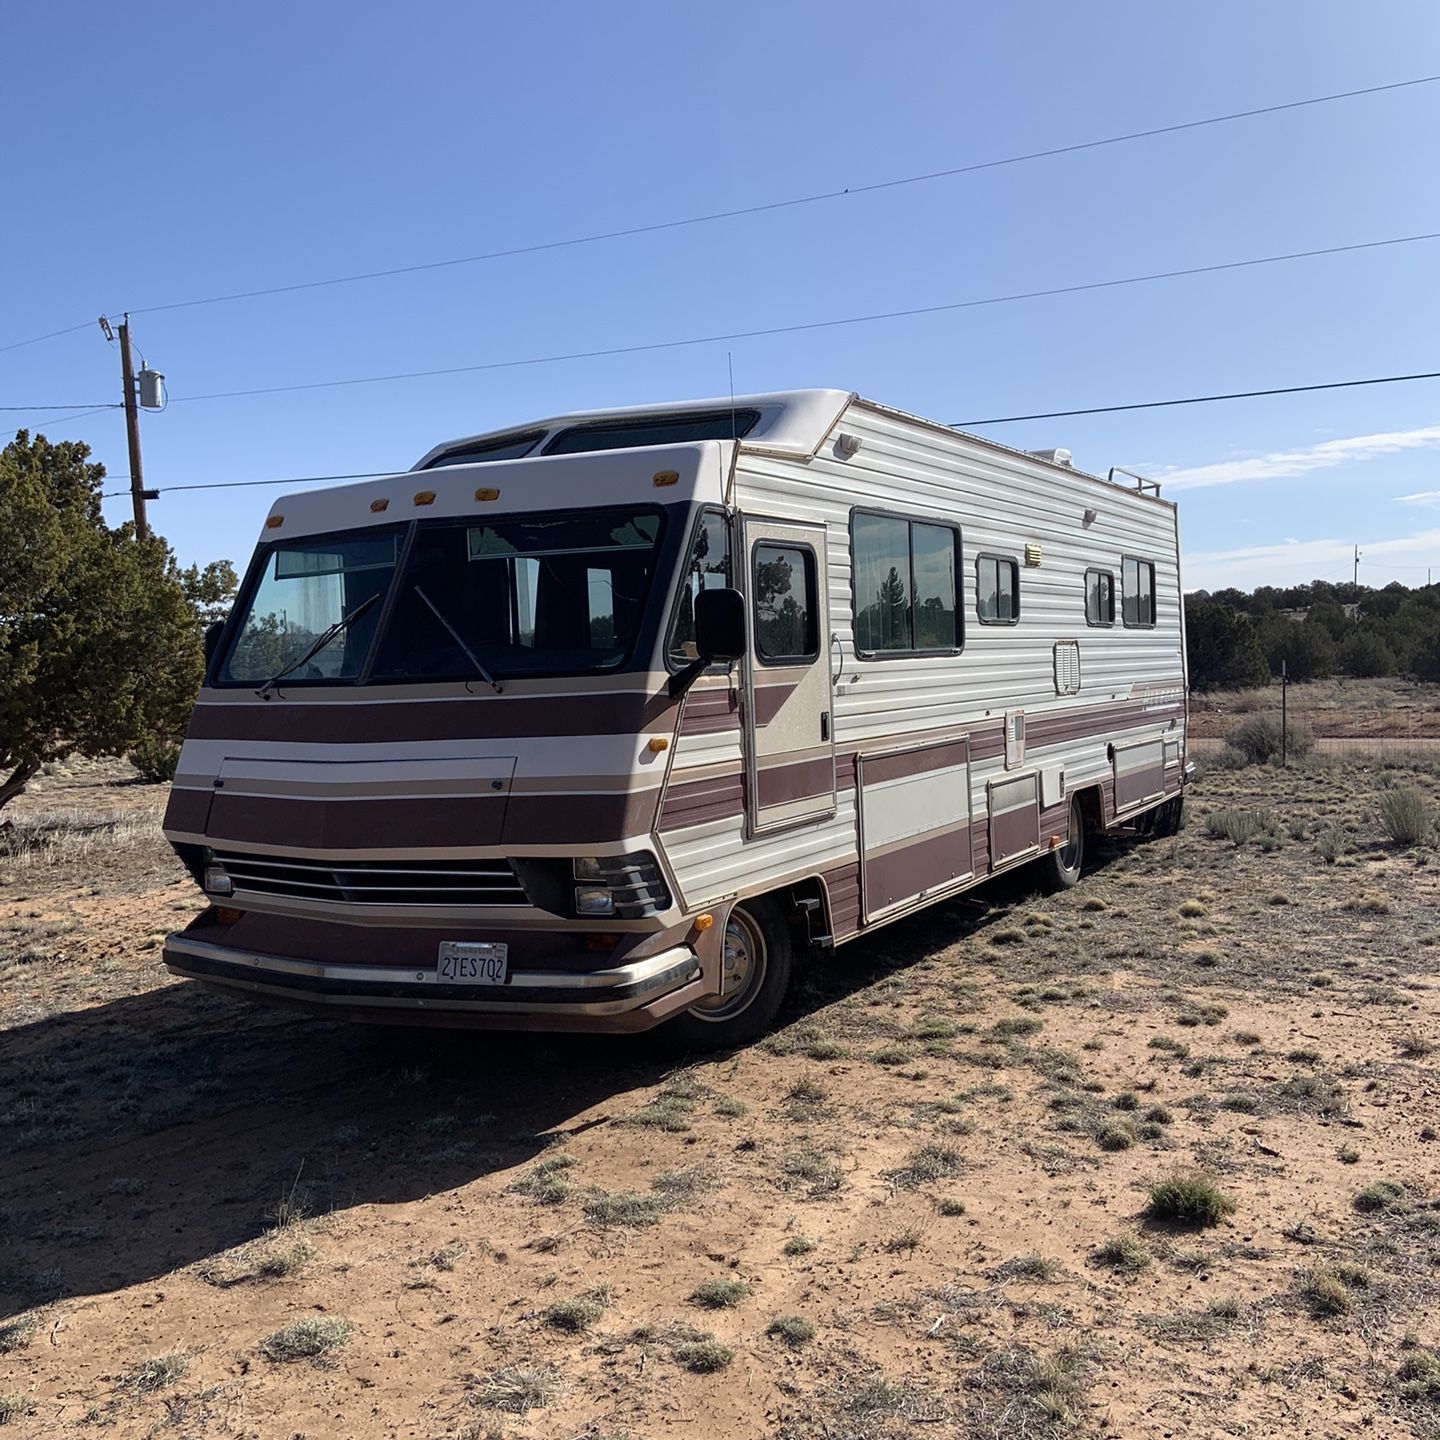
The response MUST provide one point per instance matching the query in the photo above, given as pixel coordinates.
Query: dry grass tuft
(517, 1389)
(306, 1339)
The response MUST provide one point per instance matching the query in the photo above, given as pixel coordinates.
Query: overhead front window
(997, 590)
(500, 447)
(1099, 597)
(559, 594)
(706, 568)
(654, 430)
(304, 595)
(784, 600)
(1138, 602)
(904, 579)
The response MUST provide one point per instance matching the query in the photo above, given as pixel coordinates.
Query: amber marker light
(704, 922)
(486, 492)
(667, 477)
(274, 522)
(376, 506)
(424, 497)
(658, 744)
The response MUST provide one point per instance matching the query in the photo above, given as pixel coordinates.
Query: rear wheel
(1063, 864)
(755, 975)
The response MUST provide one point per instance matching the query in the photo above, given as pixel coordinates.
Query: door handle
(824, 725)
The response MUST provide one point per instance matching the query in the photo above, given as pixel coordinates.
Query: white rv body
(846, 784)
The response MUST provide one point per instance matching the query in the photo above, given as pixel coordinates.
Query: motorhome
(605, 720)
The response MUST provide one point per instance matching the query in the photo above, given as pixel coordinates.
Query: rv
(602, 721)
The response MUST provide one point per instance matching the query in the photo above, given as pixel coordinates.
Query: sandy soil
(935, 1173)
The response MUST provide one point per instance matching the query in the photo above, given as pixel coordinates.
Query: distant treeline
(1235, 640)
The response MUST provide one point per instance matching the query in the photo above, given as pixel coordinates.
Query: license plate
(473, 962)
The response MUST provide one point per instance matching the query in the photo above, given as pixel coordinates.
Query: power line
(1097, 410)
(767, 207)
(49, 335)
(1196, 399)
(78, 415)
(771, 330)
(79, 404)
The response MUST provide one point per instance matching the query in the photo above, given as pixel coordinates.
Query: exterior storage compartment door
(1139, 773)
(790, 765)
(914, 823)
(1014, 818)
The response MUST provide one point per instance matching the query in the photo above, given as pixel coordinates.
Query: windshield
(304, 589)
(563, 593)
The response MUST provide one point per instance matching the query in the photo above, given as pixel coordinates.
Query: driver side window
(707, 567)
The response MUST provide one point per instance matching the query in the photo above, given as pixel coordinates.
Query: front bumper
(629, 996)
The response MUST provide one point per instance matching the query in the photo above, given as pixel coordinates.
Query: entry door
(788, 720)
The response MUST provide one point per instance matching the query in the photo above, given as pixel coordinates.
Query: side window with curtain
(784, 597)
(706, 568)
(905, 579)
(997, 589)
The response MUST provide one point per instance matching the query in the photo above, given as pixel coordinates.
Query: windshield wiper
(454, 634)
(321, 641)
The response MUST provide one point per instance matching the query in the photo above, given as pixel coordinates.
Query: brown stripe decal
(458, 820)
(931, 862)
(187, 811)
(720, 797)
(708, 712)
(843, 886)
(769, 699)
(940, 756)
(1012, 832)
(486, 717)
(783, 783)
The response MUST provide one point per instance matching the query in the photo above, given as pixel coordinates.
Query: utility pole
(132, 430)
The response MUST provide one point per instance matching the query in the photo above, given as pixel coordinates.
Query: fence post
(1284, 713)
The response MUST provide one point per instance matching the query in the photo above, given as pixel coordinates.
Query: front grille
(475, 883)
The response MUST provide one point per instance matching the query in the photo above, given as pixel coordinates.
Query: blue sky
(181, 151)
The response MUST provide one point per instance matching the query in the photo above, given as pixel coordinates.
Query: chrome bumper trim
(595, 992)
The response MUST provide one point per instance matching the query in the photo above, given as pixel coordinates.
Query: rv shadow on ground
(161, 1128)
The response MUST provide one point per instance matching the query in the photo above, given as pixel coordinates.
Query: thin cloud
(1294, 562)
(1428, 498)
(1286, 464)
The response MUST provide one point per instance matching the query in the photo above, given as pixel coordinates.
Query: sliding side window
(997, 589)
(1099, 597)
(904, 576)
(1138, 603)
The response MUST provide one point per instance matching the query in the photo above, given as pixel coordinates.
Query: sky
(180, 152)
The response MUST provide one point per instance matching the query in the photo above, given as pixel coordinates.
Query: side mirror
(720, 625)
(213, 631)
(719, 635)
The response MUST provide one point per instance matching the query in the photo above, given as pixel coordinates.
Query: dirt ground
(918, 1209)
(1378, 709)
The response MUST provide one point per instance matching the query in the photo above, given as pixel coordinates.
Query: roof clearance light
(667, 477)
(424, 497)
(376, 506)
(274, 522)
(485, 492)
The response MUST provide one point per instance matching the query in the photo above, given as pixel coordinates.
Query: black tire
(1062, 866)
(722, 1022)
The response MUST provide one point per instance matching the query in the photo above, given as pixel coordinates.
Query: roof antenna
(730, 366)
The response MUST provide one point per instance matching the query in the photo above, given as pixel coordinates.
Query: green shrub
(1191, 1199)
(1405, 814)
(1238, 826)
(1257, 738)
(156, 757)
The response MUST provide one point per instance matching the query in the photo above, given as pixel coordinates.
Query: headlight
(593, 900)
(629, 887)
(217, 880)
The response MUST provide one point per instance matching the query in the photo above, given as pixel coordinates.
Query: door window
(784, 600)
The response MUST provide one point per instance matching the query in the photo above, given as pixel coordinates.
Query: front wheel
(1063, 865)
(755, 976)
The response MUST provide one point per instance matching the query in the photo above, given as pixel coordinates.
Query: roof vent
(1055, 457)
